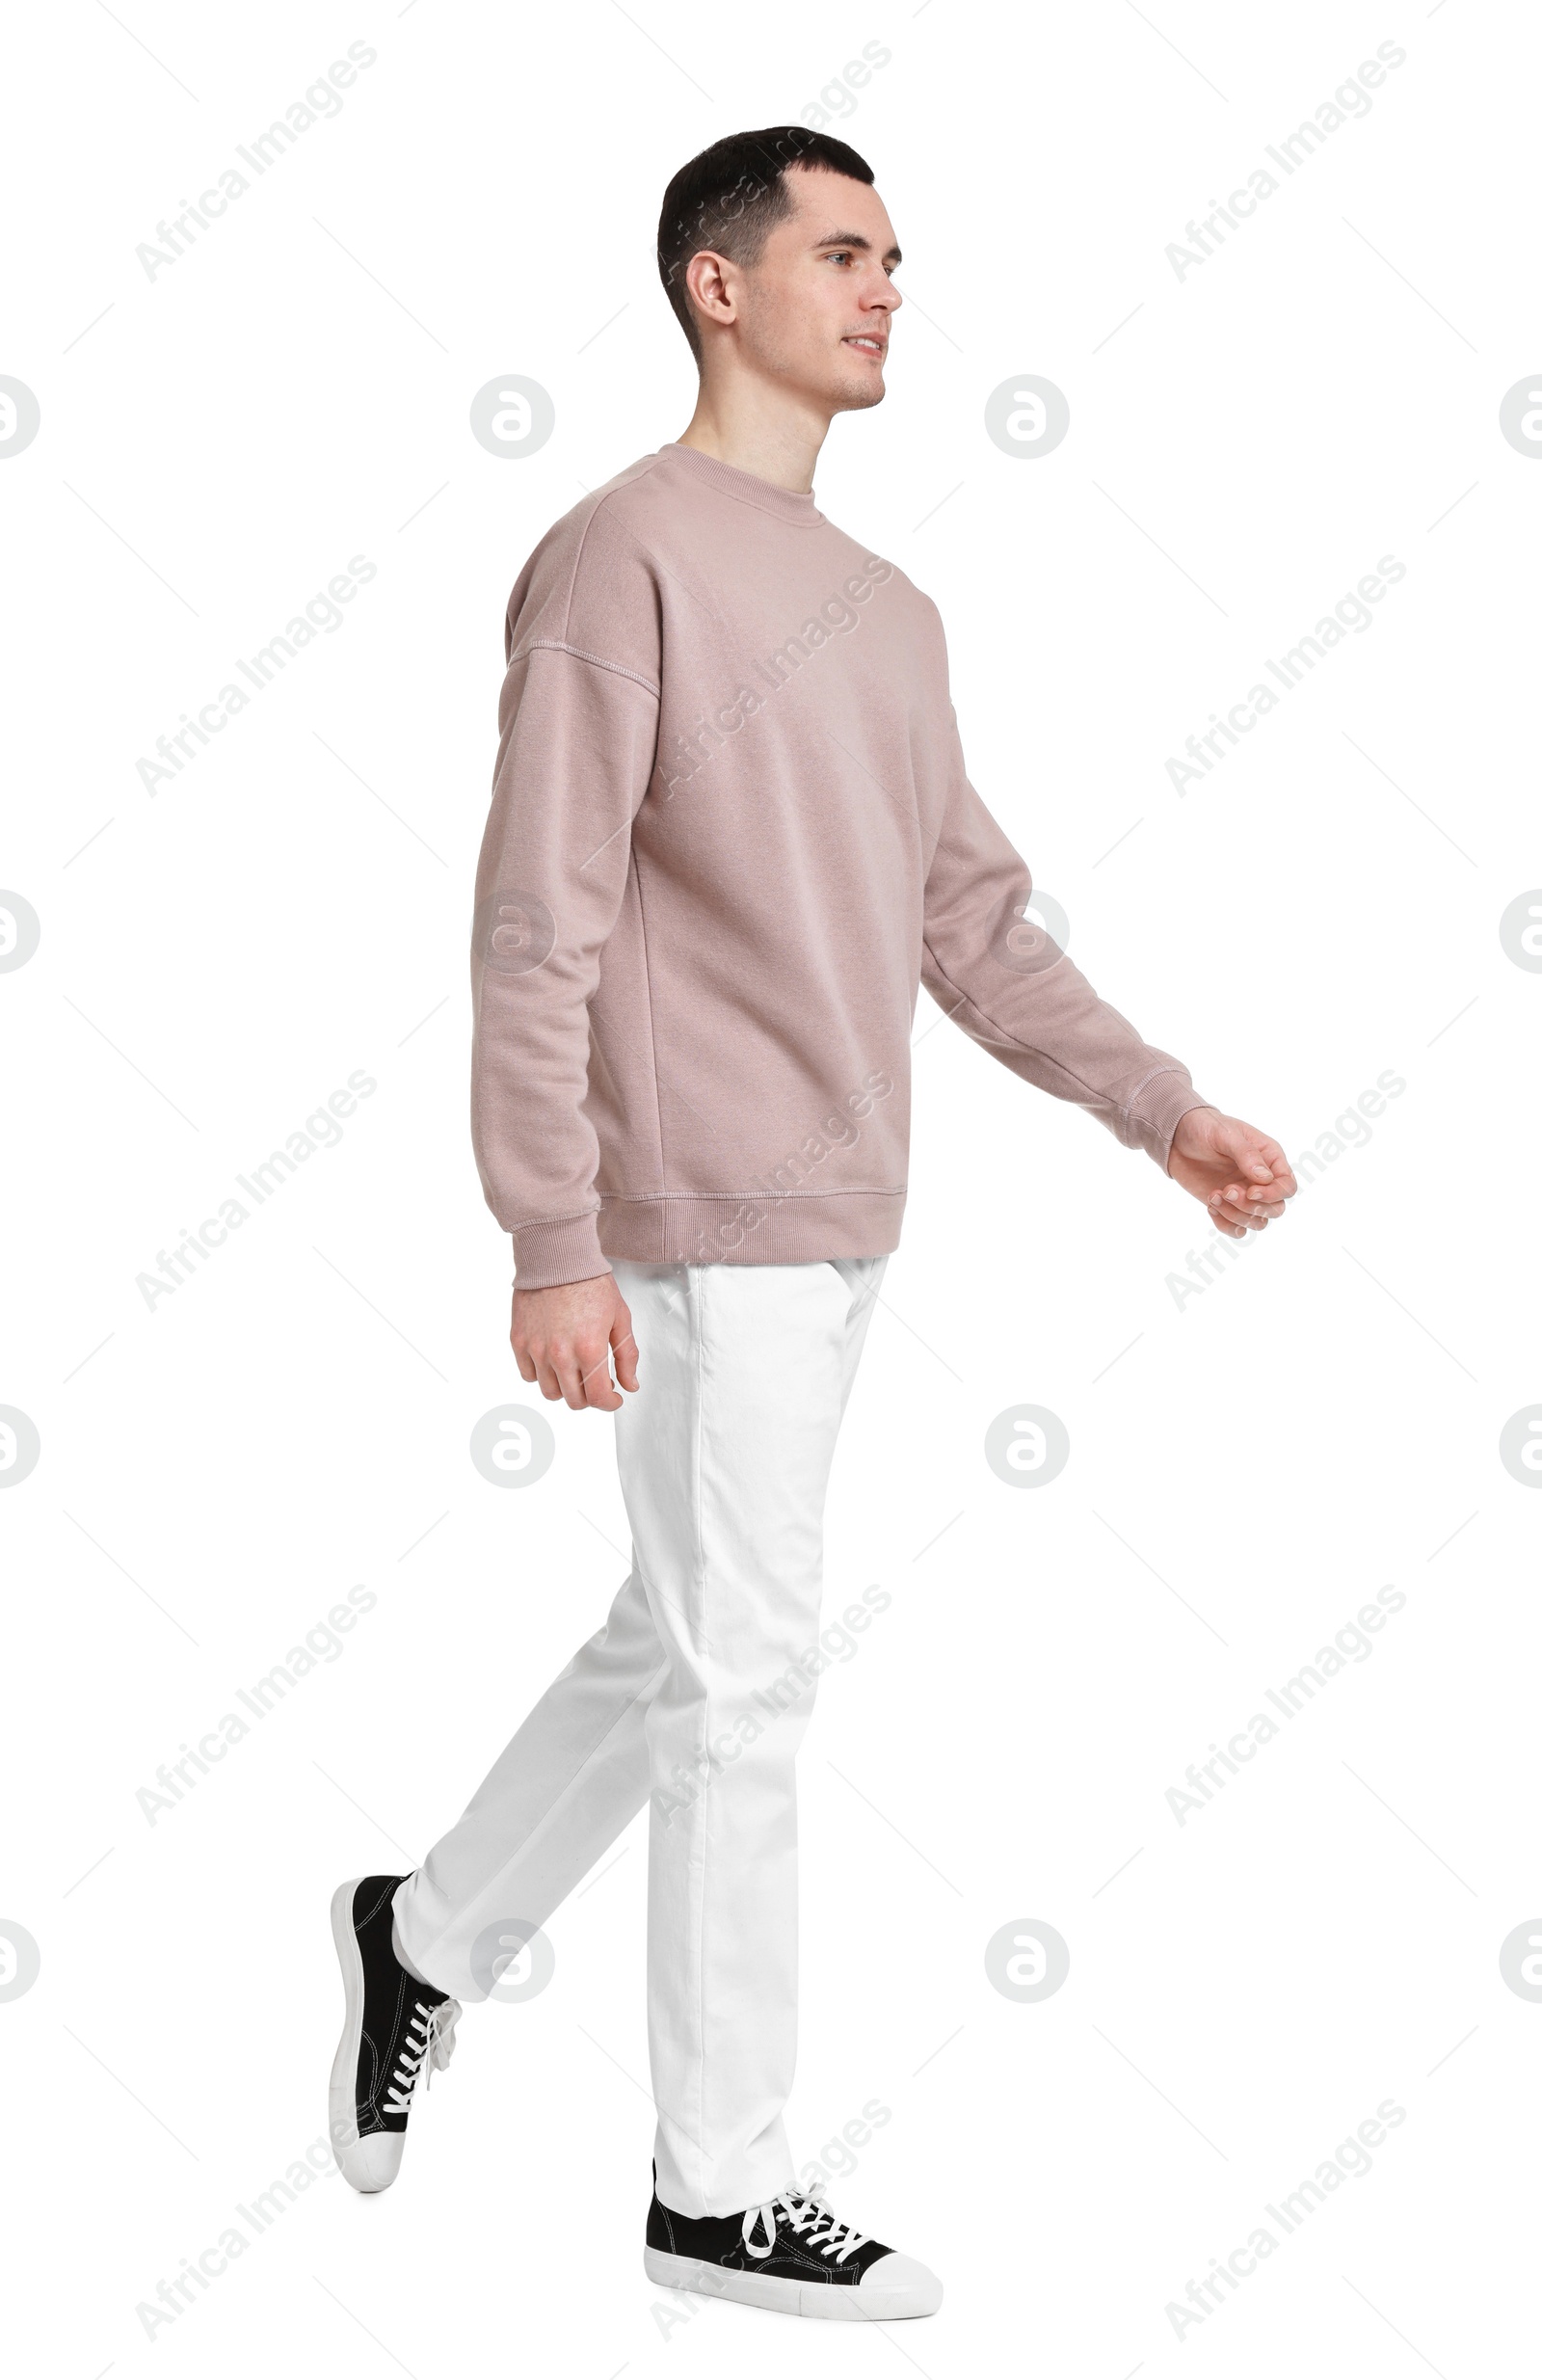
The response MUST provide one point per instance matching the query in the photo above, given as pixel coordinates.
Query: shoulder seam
(573, 577)
(555, 644)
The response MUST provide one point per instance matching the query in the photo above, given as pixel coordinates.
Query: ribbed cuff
(549, 1255)
(1162, 1106)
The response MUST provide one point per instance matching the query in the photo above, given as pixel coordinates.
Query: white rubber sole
(917, 2292)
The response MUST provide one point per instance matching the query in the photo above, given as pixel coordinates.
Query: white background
(1248, 1466)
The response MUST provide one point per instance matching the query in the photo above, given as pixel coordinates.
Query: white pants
(689, 1697)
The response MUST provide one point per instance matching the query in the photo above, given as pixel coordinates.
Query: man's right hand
(561, 1339)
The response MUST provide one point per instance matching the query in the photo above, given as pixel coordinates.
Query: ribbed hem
(749, 1228)
(548, 1255)
(1163, 1104)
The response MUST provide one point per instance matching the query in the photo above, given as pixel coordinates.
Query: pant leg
(725, 1457)
(558, 1793)
(724, 1454)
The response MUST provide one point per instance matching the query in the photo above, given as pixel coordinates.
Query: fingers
(592, 1386)
(1243, 1176)
(1262, 1182)
(575, 1371)
(561, 1338)
(1245, 1207)
(578, 1375)
(1260, 1162)
(1250, 1205)
(623, 1347)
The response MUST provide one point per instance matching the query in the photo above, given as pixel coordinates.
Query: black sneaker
(395, 2032)
(792, 2257)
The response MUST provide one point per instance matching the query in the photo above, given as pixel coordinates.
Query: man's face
(816, 311)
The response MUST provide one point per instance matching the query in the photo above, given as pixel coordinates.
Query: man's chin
(857, 395)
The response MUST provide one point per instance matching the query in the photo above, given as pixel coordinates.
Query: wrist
(1181, 1145)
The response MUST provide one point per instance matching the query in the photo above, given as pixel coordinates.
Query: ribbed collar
(786, 503)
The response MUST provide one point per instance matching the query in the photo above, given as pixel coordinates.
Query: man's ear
(707, 281)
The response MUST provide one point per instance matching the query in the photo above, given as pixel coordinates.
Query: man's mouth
(869, 345)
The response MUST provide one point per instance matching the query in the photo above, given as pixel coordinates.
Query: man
(730, 833)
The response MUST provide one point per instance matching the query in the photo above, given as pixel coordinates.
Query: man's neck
(759, 433)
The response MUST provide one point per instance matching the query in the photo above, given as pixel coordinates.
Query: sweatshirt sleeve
(1013, 989)
(580, 725)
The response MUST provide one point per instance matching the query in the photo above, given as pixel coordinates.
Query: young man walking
(731, 835)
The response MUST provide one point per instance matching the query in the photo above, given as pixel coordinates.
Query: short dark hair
(728, 197)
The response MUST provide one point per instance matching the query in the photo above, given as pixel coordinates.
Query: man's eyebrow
(855, 239)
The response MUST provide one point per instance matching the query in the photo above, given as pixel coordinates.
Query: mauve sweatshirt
(731, 835)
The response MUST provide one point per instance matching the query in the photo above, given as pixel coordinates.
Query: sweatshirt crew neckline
(745, 487)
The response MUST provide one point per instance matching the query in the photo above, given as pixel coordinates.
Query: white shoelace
(430, 2043)
(807, 2218)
